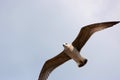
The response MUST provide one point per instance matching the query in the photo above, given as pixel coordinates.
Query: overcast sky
(33, 31)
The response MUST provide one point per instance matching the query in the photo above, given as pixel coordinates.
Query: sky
(33, 31)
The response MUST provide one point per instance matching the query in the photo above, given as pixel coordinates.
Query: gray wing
(87, 31)
(51, 64)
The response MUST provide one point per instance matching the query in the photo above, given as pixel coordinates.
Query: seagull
(72, 51)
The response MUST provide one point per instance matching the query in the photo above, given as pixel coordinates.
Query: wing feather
(51, 64)
(87, 31)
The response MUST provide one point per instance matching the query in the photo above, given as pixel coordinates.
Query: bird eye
(66, 43)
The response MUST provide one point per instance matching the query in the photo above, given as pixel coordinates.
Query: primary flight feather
(71, 51)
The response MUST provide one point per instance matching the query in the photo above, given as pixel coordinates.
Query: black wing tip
(106, 22)
(115, 22)
(110, 23)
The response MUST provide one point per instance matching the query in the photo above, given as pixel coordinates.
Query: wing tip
(109, 23)
(115, 22)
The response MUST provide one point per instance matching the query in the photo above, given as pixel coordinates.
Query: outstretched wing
(51, 64)
(87, 31)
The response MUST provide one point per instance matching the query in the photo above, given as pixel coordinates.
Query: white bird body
(73, 53)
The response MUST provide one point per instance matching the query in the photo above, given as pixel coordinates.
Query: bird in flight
(71, 51)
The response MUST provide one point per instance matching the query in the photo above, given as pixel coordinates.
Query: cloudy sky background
(32, 31)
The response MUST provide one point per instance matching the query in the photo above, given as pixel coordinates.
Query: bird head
(66, 45)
